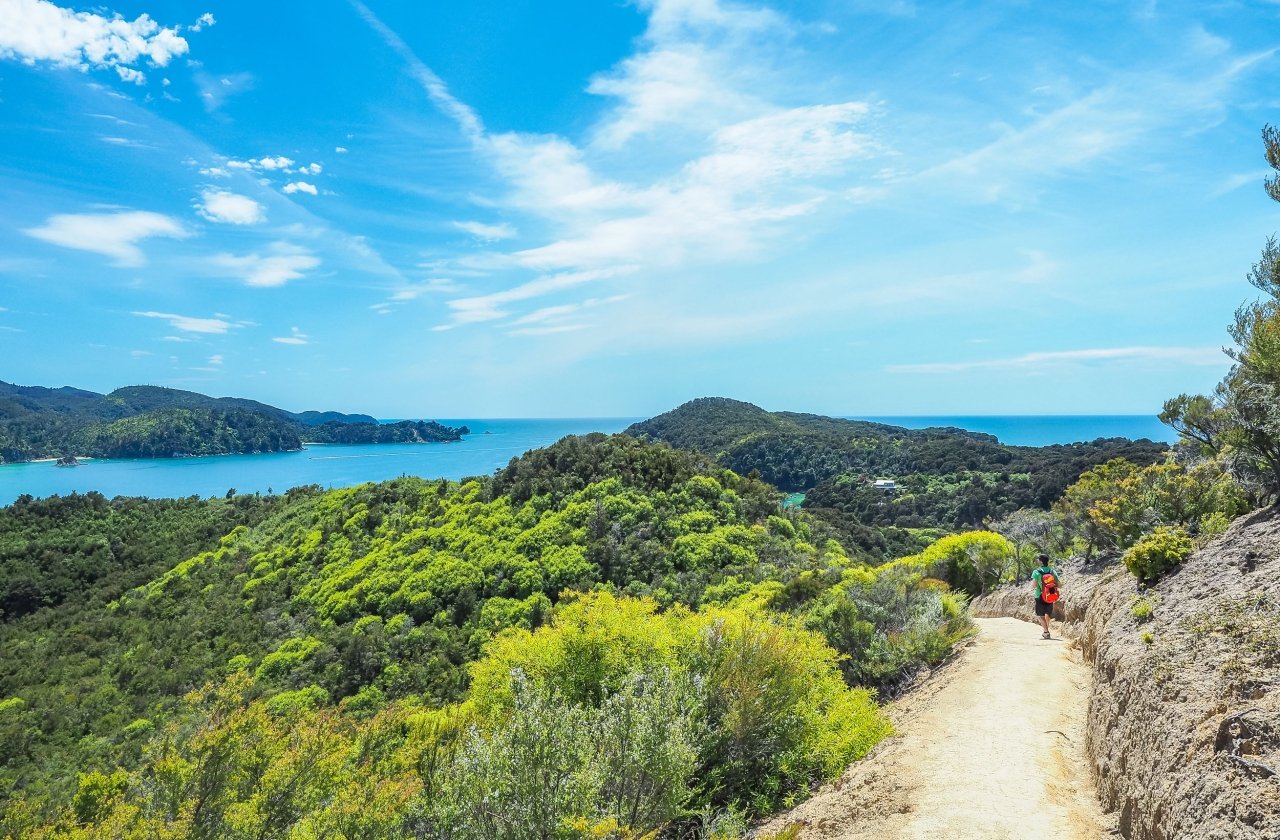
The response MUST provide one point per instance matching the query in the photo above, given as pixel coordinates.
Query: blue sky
(606, 208)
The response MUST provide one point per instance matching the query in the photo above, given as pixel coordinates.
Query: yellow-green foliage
(1158, 552)
(1141, 608)
(972, 561)
(781, 717)
(230, 768)
(1113, 504)
(609, 722)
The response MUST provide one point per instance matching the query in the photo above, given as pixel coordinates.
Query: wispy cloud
(432, 84)
(300, 186)
(283, 263)
(230, 208)
(752, 164)
(187, 323)
(489, 307)
(1206, 356)
(1115, 114)
(487, 232)
(296, 337)
(112, 234)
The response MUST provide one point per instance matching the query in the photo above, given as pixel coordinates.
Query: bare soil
(989, 748)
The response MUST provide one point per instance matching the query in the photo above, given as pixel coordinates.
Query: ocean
(489, 447)
(1045, 430)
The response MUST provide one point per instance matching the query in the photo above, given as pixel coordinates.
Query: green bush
(773, 715)
(1158, 552)
(1213, 524)
(554, 765)
(1141, 609)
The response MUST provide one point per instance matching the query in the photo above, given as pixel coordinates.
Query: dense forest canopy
(945, 479)
(348, 608)
(144, 421)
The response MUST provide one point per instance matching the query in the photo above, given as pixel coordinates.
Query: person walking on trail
(1047, 594)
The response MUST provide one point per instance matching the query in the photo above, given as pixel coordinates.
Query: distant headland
(146, 421)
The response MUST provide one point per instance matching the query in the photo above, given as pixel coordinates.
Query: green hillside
(145, 421)
(406, 640)
(945, 479)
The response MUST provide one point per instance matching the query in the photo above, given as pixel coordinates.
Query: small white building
(886, 484)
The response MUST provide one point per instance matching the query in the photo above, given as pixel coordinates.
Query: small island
(144, 421)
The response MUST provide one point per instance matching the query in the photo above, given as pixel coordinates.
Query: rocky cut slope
(1184, 719)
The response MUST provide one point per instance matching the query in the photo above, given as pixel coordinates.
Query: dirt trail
(991, 748)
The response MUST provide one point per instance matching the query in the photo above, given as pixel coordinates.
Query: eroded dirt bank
(991, 748)
(1169, 689)
(1184, 716)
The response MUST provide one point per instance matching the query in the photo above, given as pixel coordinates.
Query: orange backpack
(1049, 588)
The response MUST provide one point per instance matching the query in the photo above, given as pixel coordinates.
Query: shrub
(1213, 525)
(1141, 609)
(771, 717)
(556, 768)
(1158, 552)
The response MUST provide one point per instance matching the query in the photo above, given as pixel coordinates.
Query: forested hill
(623, 621)
(945, 478)
(145, 421)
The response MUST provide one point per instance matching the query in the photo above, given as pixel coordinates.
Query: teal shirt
(1038, 577)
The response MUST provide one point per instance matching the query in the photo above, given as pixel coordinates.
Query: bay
(490, 446)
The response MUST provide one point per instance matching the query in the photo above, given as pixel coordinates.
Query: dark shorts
(1044, 608)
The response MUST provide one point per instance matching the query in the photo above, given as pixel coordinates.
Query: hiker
(1047, 594)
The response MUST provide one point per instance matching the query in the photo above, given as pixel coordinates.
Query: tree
(1026, 528)
(1242, 420)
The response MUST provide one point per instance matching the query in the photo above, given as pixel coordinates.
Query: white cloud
(202, 22)
(342, 150)
(124, 141)
(215, 172)
(186, 323)
(285, 262)
(757, 173)
(1111, 117)
(546, 313)
(562, 328)
(436, 285)
(737, 164)
(112, 234)
(489, 233)
(432, 84)
(128, 74)
(1200, 356)
(230, 208)
(487, 307)
(138, 354)
(177, 339)
(312, 169)
(215, 359)
(298, 337)
(34, 31)
(300, 186)
(270, 163)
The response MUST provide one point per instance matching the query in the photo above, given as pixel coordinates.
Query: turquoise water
(489, 447)
(329, 465)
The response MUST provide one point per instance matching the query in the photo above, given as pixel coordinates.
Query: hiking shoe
(1044, 635)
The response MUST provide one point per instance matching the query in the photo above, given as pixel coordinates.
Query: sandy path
(991, 748)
